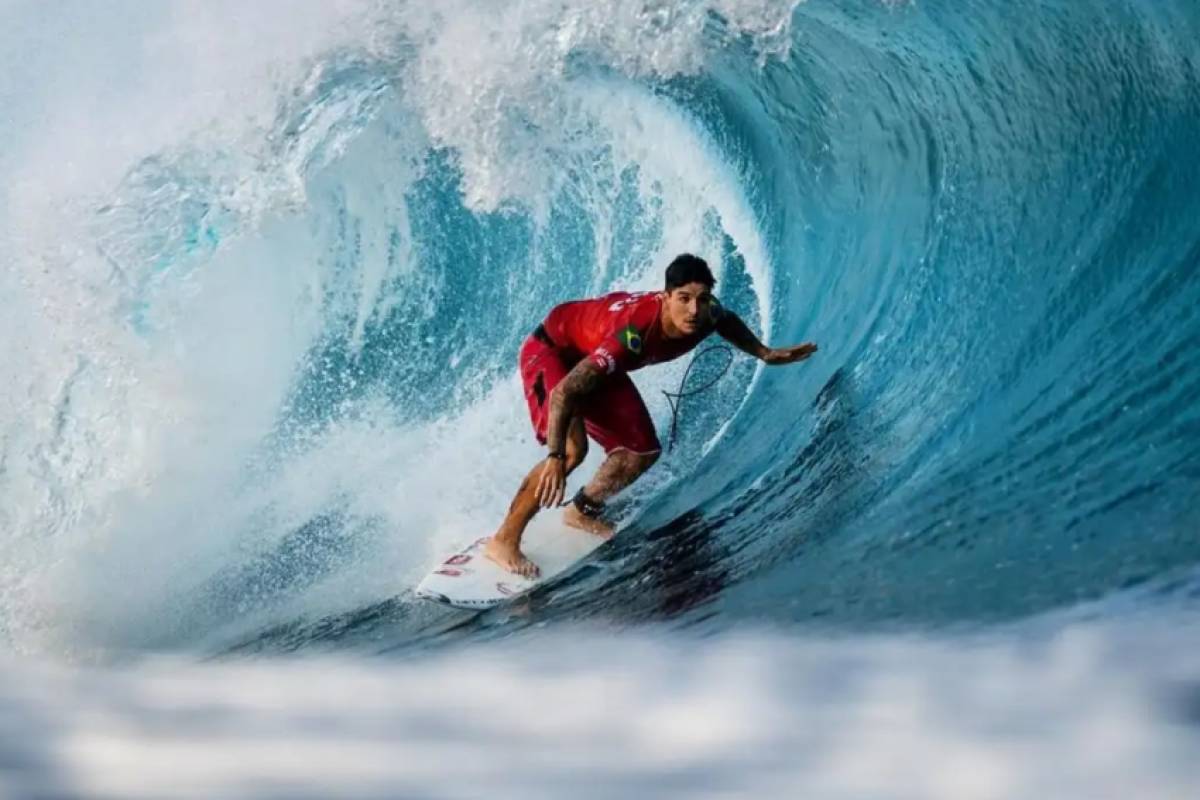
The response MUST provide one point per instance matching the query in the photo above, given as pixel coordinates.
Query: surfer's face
(688, 307)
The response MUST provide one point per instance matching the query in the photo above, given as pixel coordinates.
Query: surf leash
(672, 397)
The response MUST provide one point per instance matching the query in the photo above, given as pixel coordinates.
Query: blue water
(265, 278)
(994, 241)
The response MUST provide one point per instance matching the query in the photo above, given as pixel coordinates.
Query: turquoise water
(989, 228)
(265, 275)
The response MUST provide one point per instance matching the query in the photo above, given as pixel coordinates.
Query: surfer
(575, 369)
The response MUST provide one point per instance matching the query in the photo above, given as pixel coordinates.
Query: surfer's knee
(577, 446)
(576, 453)
(637, 463)
(647, 460)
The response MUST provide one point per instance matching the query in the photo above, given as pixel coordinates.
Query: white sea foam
(158, 323)
(1080, 712)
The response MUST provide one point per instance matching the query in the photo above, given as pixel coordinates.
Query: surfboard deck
(468, 579)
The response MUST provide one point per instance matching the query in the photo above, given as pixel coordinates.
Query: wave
(268, 278)
(264, 271)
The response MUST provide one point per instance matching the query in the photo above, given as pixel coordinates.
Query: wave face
(266, 273)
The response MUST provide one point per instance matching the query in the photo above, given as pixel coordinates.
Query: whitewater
(264, 272)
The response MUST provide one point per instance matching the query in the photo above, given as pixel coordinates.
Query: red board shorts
(614, 415)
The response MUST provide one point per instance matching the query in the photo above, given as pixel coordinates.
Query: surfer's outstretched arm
(731, 328)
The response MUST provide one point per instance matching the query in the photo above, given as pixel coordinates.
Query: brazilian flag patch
(631, 338)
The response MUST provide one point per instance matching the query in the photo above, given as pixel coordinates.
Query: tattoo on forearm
(585, 377)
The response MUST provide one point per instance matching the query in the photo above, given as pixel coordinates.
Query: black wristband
(558, 455)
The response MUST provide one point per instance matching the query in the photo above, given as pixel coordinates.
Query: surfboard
(469, 579)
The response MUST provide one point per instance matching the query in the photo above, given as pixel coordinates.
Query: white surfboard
(469, 579)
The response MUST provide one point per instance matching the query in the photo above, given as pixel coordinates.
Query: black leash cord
(682, 394)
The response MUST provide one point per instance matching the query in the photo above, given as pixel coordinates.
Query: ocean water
(264, 272)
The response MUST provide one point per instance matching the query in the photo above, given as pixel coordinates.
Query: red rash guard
(620, 333)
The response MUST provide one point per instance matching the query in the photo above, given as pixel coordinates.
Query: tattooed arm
(585, 377)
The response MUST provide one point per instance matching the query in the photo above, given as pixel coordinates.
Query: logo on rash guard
(605, 359)
(633, 298)
(632, 339)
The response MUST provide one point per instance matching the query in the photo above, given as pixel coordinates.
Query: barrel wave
(266, 272)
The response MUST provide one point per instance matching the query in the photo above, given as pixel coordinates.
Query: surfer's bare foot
(575, 518)
(510, 558)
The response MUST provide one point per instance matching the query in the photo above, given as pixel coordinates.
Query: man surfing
(575, 369)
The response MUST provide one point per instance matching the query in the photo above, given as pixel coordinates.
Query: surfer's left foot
(510, 557)
(575, 518)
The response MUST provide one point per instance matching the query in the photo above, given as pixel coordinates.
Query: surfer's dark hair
(687, 268)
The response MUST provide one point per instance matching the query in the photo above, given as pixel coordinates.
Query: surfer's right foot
(509, 557)
(575, 518)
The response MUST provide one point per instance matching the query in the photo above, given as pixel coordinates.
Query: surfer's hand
(553, 482)
(790, 355)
